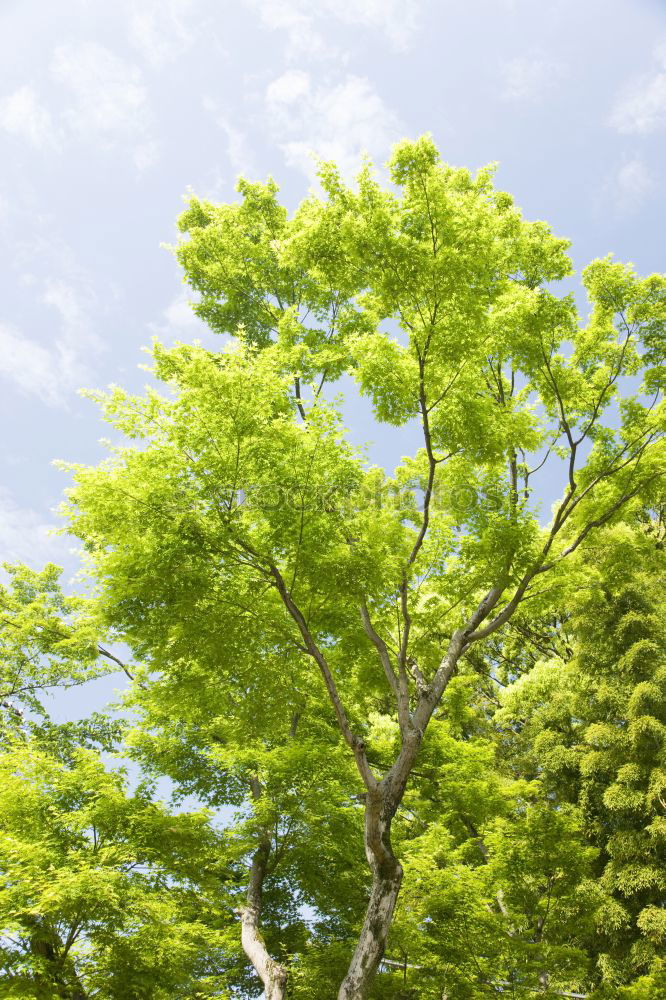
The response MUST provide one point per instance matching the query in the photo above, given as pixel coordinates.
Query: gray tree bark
(386, 880)
(381, 804)
(272, 974)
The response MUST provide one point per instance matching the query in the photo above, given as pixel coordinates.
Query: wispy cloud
(338, 122)
(161, 30)
(22, 114)
(305, 22)
(146, 154)
(108, 95)
(55, 371)
(179, 320)
(239, 152)
(105, 102)
(26, 536)
(180, 315)
(31, 367)
(288, 88)
(69, 305)
(641, 109)
(627, 188)
(529, 78)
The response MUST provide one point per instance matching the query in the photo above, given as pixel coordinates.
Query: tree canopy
(427, 716)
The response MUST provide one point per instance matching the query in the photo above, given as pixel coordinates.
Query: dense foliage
(425, 721)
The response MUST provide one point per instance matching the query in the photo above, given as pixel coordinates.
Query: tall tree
(103, 892)
(47, 641)
(591, 720)
(245, 522)
(272, 762)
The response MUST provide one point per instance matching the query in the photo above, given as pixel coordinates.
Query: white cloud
(22, 114)
(239, 152)
(67, 302)
(628, 187)
(33, 368)
(528, 78)
(289, 87)
(25, 535)
(302, 36)
(107, 104)
(642, 107)
(108, 94)
(334, 123)
(52, 372)
(307, 34)
(77, 342)
(180, 315)
(179, 320)
(398, 19)
(240, 155)
(146, 155)
(159, 29)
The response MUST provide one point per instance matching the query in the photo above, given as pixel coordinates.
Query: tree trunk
(386, 880)
(272, 974)
(60, 973)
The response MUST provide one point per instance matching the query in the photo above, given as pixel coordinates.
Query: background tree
(590, 723)
(272, 762)
(47, 640)
(103, 893)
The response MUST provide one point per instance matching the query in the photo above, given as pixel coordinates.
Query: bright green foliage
(647, 987)
(498, 887)
(283, 743)
(46, 640)
(516, 915)
(593, 725)
(453, 263)
(300, 614)
(103, 893)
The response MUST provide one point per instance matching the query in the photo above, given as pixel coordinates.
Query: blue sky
(109, 112)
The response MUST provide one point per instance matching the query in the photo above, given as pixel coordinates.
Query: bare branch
(397, 686)
(356, 744)
(110, 656)
(299, 400)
